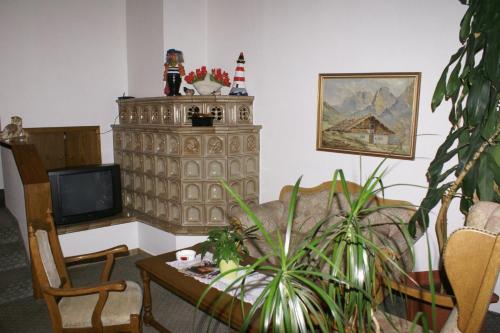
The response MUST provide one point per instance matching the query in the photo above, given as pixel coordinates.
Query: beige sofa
(312, 206)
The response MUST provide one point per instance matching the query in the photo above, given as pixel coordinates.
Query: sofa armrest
(269, 213)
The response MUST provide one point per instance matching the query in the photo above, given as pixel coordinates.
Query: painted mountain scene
(368, 115)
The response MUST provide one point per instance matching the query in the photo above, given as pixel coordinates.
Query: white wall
(288, 43)
(145, 55)
(99, 239)
(14, 193)
(63, 63)
(185, 29)
(135, 235)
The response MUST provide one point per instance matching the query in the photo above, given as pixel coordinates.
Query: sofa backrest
(312, 206)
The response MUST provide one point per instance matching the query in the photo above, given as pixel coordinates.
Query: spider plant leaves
(291, 215)
(474, 110)
(250, 214)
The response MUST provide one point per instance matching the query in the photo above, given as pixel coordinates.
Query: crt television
(85, 193)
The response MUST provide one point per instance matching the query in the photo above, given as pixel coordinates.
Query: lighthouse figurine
(238, 88)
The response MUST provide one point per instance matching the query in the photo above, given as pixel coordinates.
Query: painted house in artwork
(366, 129)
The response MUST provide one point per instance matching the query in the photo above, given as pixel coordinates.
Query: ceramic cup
(185, 255)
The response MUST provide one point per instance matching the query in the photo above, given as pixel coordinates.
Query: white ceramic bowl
(185, 255)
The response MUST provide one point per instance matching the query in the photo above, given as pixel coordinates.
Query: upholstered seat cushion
(77, 311)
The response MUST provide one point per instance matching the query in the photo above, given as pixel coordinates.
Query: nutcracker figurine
(173, 73)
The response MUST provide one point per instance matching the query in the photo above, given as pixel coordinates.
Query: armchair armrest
(110, 257)
(102, 289)
(114, 250)
(80, 291)
(443, 300)
(269, 213)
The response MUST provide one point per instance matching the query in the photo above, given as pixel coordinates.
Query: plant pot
(225, 266)
(207, 86)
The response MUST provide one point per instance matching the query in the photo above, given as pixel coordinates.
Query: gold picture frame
(368, 113)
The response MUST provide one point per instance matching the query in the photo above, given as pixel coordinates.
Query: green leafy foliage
(327, 281)
(227, 243)
(473, 88)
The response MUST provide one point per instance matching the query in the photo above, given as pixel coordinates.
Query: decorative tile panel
(174, 212)
(129, 145)
(235, 144)
(160, 142)
(215, 168)
(149, 164)
(191, 145)
(117, 140)
(216, 214)
(161, 186)
(161, 210)
(138, 162)
(150, 205)
(173, 145)
(235, 168)
(191, 169)
(251, 188)
(192, 192)
(155, 114)
(137, 141)
(139, 183)
(149, 185)
(128, 199)
(148, 142)
(139, 202)
(193, 214)
(173, 167)
(251, 143)
(214, 145)
(144, 115)
(161, 166)
(251, 165)
(128, 180)
(213, 192)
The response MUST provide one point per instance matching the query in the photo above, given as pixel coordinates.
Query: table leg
(146, 298)
(147, 303)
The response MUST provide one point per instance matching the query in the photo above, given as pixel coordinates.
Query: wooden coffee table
(227, 309)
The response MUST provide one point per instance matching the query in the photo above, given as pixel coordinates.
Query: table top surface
(216, 303)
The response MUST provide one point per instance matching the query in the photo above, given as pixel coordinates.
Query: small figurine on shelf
(238, 87)
(14, 129)
(173, 73)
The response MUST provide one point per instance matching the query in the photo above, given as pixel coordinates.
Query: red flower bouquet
(217, 75)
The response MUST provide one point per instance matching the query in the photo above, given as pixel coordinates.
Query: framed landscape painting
(368, 114)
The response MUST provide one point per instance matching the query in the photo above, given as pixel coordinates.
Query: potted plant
(467, 163)
(471, 80)
(227, 247)
(327, 281)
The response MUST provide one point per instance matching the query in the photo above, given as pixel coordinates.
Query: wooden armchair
(103, 307)
(471, 260)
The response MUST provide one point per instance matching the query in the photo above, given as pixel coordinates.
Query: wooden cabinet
(171, 171)
(61, 147)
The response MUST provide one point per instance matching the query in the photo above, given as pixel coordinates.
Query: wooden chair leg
(135, 323)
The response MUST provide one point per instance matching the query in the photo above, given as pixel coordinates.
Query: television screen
(85, 193)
